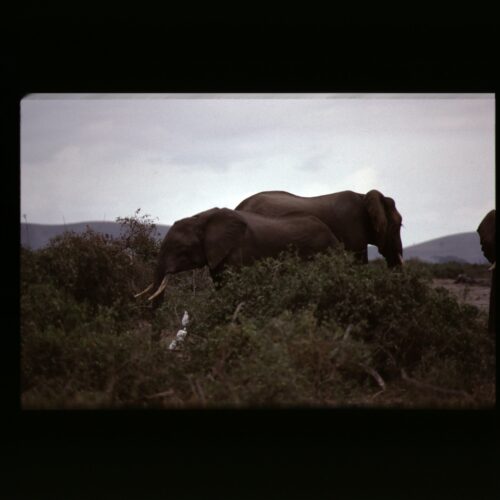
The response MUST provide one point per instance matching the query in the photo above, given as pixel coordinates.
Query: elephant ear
(375, 208)
(486, 229)
(223, 231)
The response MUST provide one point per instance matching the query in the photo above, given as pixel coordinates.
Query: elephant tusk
(162, 287)
(144, 291)
(400, 258)
(493, 266)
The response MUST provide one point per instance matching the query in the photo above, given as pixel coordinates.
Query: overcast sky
(94, 157)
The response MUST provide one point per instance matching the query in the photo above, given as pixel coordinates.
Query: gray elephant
(355, 219)
(486, 232)
(221, 237)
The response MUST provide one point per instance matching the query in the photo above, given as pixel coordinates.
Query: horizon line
(170, 225)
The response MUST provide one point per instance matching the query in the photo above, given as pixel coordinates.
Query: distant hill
(36, 236)
(462, 247)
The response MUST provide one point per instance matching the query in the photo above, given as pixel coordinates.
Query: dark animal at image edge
(486, 232)
(357, 220)
(221, 237)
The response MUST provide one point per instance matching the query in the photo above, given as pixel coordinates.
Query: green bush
(91, 267)
(94, 268)
(284, 331)
(393, 318)
(140, 237)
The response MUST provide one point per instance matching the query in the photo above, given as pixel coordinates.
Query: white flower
(185, 319)
(173, 345)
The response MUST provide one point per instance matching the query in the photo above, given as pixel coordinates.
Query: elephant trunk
(394, 260)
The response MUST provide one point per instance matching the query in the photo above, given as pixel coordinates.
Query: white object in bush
(181, 334)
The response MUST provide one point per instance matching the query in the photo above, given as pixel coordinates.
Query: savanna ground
(476, 293)
(281, 333)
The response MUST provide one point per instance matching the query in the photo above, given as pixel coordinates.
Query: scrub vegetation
(283, 332)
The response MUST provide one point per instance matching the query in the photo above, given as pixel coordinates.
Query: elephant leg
(491, 315)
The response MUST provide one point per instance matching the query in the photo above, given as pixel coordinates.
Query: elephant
(221, 237)
(486, 230)
(355, 219)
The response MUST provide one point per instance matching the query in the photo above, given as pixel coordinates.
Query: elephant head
(203, 239)
(486, 232)
(384, 226)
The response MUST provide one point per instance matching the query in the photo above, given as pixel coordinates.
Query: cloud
(177, 156)
(362, 180)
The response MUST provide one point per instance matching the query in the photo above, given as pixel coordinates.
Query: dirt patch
(476, 294)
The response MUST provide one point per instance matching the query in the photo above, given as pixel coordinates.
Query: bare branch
(236, 312)
(374, 374)
(200, 392)
(159, 394)
(377, 394)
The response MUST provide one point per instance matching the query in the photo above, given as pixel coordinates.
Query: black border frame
(352, 451)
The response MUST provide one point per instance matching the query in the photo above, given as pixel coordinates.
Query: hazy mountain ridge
(461, 247)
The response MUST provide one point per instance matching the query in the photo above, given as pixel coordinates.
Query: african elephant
(221, 237)
(486, 232)
(355, 219)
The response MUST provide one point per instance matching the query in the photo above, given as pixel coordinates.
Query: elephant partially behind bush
(357, 220)
(221, 237)
(487, 235)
